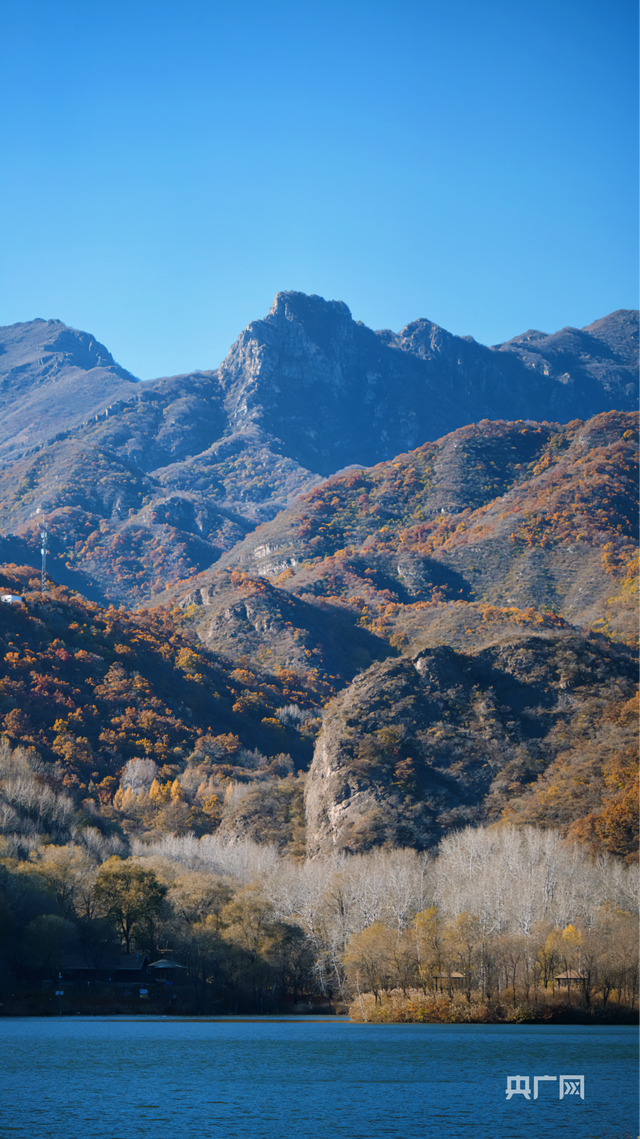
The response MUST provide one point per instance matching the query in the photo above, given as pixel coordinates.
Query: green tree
(249, 927)
(130, 896)
(290, 955)
(45, 941)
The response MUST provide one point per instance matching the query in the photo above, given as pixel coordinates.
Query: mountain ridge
(145, 483)
(56, 362)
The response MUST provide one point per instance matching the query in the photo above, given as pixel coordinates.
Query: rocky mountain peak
(53, 378)
(39, 348)
(619, 331)
(307, 309)
(330, 392)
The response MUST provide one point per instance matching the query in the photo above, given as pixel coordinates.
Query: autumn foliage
(92, 688)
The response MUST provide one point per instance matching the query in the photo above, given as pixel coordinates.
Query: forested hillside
(144, 731)
(139, 727)
(505, 514)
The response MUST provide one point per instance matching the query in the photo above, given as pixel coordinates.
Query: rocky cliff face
(334, 393)
(414, 748)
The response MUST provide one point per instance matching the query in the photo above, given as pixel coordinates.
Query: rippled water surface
(268, 1079)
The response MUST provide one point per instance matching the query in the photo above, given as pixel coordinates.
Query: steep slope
(143, 728)
(52, 379)
(149, 492)
(414, 749)
(249, 618)
(507, 515)
(144, 484)
(335, 393)
(473, 559)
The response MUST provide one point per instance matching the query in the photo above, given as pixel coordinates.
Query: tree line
(487, 922)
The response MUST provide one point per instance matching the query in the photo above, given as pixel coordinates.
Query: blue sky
(169, 166)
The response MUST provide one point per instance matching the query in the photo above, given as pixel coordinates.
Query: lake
(117, 1078)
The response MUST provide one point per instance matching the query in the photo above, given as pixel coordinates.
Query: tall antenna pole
(44, 551)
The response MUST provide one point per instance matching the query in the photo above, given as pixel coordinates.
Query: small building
(130, 968)
(118, 969)
(165, 971)
(566, 980)
(447, 981)
(11, 599)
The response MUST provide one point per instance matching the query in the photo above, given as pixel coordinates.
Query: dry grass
(417, 1007)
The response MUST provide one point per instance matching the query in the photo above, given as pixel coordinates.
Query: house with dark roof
(117, 969)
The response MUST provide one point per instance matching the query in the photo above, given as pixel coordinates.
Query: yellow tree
(463, 938)
(369, 959)
(69, 872)
(430, 945)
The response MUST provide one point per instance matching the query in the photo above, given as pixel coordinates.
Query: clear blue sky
(169, 165)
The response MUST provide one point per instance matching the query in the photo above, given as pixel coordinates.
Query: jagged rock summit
(332, 392)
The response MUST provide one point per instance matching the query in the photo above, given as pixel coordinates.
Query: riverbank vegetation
(479, 931)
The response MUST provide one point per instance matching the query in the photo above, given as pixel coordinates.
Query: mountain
(535, 729)
(334, 393)
(494, 573)
(144, 484)
(52, 379)
(499, 514)
(339, 547)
